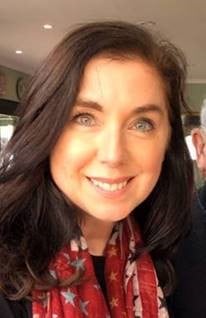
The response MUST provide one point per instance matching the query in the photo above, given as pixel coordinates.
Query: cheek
(68, 157)
(150, 170)
(150, 156)
(77, 155)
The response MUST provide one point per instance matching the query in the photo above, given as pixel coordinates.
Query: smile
(108, 186)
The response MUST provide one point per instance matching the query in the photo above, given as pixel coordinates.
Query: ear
(199, 141)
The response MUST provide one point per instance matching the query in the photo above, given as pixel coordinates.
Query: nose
(111, 148)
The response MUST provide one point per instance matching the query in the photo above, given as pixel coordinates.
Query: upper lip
(110, 180)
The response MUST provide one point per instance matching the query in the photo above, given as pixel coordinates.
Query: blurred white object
(203, 114)
(191, 147)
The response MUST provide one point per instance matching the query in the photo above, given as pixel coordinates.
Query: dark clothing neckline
(99, 266)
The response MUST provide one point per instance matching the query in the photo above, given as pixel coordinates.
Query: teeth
(109, 186)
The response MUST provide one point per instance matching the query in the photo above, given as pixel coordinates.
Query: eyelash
(141, 121)
(82, 115)
(144, 121)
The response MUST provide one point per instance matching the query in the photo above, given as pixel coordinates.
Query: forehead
(122, 80)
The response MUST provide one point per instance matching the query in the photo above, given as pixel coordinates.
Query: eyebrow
(88, 104)
(138, 110)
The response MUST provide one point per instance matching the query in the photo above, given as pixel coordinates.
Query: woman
(96, 181)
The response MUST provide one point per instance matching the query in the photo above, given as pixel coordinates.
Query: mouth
(110, 185)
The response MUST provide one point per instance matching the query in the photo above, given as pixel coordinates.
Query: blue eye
(143, 125)
(84, 119)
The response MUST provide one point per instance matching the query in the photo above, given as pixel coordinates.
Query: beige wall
(196, 92)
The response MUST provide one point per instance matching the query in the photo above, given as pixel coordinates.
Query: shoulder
(5, 310)
(192, 251)
(189, 297)
(14, 309)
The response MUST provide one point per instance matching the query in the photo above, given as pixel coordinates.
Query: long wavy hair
(36, 219)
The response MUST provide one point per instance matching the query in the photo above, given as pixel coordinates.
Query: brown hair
(36, 220)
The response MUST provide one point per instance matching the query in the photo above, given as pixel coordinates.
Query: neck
(96, 233)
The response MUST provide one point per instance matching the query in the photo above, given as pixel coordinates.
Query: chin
(112, 217)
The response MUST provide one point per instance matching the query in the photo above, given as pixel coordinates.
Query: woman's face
(109, 155)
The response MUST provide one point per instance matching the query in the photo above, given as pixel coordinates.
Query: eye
(143, 125)
(84, 119)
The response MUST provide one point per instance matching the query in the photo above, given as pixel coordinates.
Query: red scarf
(132, 286)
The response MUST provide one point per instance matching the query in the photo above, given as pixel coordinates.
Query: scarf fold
(132, 286)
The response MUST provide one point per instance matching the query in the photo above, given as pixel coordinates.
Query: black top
(189, 299)
(23, 308)
(15, 309)
(99, 264)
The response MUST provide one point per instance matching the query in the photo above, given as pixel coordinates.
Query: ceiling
(21, 21)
